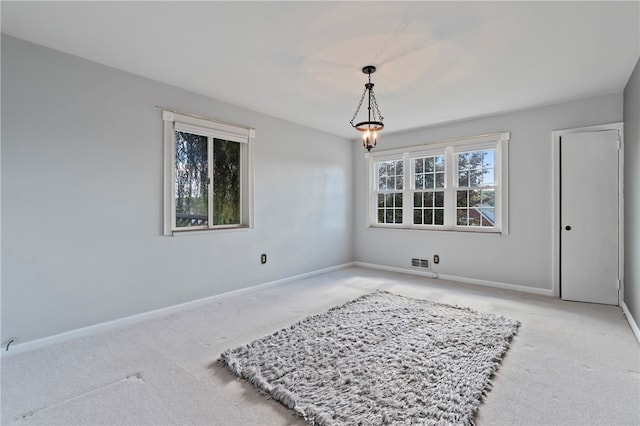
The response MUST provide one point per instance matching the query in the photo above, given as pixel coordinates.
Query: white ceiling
(301, 61)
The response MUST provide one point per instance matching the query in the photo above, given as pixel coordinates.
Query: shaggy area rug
(379, 359)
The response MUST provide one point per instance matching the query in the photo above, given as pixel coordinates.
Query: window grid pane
(390, 207)
(429, 172)
(428, 208)
(476, 168)
(475, 207)
(390, 175)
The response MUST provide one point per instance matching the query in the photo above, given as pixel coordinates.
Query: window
(207, 174)
(456, 185)
(475, 188)
(389, 191)
(428, 194)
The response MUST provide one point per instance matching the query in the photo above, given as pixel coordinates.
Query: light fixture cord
(368, 87)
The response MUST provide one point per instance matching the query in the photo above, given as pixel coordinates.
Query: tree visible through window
(454, 185)
(226, 182)
(428, 198)
(390, 176)
(209, 170)
(475, 196)
(192, 180)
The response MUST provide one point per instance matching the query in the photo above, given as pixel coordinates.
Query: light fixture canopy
(374, 122)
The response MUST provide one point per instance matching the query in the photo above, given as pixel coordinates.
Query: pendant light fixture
(373, 124)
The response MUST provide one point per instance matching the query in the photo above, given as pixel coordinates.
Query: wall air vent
(420, 263)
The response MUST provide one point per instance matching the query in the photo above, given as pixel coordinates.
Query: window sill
(189, 232)
(411, 228)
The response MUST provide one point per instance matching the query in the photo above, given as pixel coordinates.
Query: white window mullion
(169, 178)
(244, 205)
(497, 185)
(371, 189)
(407, 191)
(246, 180)
(502, 200)
(450, 185)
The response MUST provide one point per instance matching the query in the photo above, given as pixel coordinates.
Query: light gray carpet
(571, 364)
(379, 359)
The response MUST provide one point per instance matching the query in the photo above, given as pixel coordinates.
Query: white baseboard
(421, 273)
(133, 319)
(631, 320)
(466, 280)
(496, 284)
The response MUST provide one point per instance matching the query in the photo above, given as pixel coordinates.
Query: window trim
(211, 129)
(449, 148)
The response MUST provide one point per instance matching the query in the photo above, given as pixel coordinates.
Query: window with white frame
(475, 188)
(207, 174)
(458, 185)
(428, 191)
(389, 191)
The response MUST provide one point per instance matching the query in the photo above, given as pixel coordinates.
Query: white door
(589, 204)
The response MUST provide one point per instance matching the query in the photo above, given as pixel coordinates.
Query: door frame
(556, 136)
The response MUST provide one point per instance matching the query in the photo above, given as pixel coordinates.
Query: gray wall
(82, 198)
(632, 194)
(524, 257)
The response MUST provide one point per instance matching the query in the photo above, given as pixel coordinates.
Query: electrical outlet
(263, 258)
